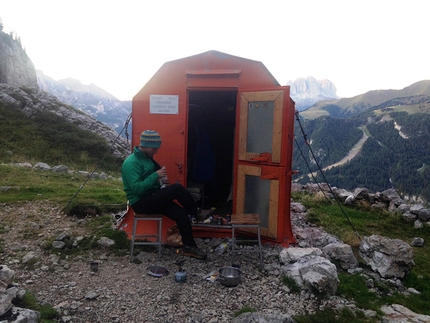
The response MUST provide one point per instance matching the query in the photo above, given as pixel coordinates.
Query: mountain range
(378, 140)
(35, 126)
(408, 97)
(90, 99)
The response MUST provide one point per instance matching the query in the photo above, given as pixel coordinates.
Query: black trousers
(162, 201)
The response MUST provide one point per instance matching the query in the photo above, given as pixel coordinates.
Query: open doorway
(210, 147)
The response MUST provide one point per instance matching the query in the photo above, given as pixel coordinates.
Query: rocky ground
(122, 291)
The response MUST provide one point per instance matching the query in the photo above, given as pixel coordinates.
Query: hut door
(260, 166)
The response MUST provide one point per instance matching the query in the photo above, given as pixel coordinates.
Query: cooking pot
(229, 276)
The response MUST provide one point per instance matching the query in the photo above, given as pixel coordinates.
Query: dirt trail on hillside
(352, 153)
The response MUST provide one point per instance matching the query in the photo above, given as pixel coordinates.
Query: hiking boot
(193, 251)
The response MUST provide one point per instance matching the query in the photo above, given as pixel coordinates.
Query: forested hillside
(396, 154)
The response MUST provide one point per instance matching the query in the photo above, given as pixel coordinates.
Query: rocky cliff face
(308, 91)
(16, 68)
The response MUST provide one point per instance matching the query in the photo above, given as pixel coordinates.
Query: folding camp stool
(239, 221)
(146, 217)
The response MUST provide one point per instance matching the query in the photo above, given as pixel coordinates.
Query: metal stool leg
(133, 236)
(259, 247)
(159, 237)
(232, 244)
(246, 221)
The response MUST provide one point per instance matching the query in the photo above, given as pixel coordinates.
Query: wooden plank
(277, 129)
(243, 127)
(273, 208)
(251, 218)
(253, 170)
(262, 95)
(240, 191)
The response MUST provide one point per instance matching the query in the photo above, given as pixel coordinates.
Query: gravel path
(121, 291)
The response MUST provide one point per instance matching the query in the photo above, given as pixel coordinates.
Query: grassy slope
(46, 137)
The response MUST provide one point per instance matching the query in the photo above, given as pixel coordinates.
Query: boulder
(341, 253)
(6, 275)
(343, 194)
(58, 244)
(312, 237)
(5, 303)
(290, 255)
(60, 169)
(396, 313)
(29, 256)
(297, 207)
(41, 166)
(296, 187)
(24, 315)
(417, 242)
(314, 273)
(416, 208)
(424, 214)
(361, 193)
(349, 199)
(393, 198)
(26, 164)
(105, 242)
(388, 257)
(418, 224)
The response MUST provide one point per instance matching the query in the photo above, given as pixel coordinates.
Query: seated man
(141, 176)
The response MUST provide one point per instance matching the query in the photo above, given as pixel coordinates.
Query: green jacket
(139, 176)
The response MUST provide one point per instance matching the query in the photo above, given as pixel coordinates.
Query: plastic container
(163, 181)
(222, 247)
(181, 276)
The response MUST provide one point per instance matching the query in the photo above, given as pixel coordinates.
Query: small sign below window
(163, 104)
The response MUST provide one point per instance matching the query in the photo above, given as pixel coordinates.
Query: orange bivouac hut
(227, 129)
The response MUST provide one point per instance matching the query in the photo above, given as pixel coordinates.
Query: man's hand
(162, 172)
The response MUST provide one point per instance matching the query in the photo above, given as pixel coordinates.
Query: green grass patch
(47, 313)
(26, 184)
(330, 315)
(291, 284)
(353, 287)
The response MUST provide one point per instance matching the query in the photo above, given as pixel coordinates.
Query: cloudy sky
(119, 45)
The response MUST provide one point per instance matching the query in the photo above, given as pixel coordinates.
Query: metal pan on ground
(157, 271)
(229, 276)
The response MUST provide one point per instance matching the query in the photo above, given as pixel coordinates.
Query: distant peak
(311, 87)
(307, 91)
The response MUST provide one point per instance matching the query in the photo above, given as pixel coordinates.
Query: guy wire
(97, 166)
(322, 173)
